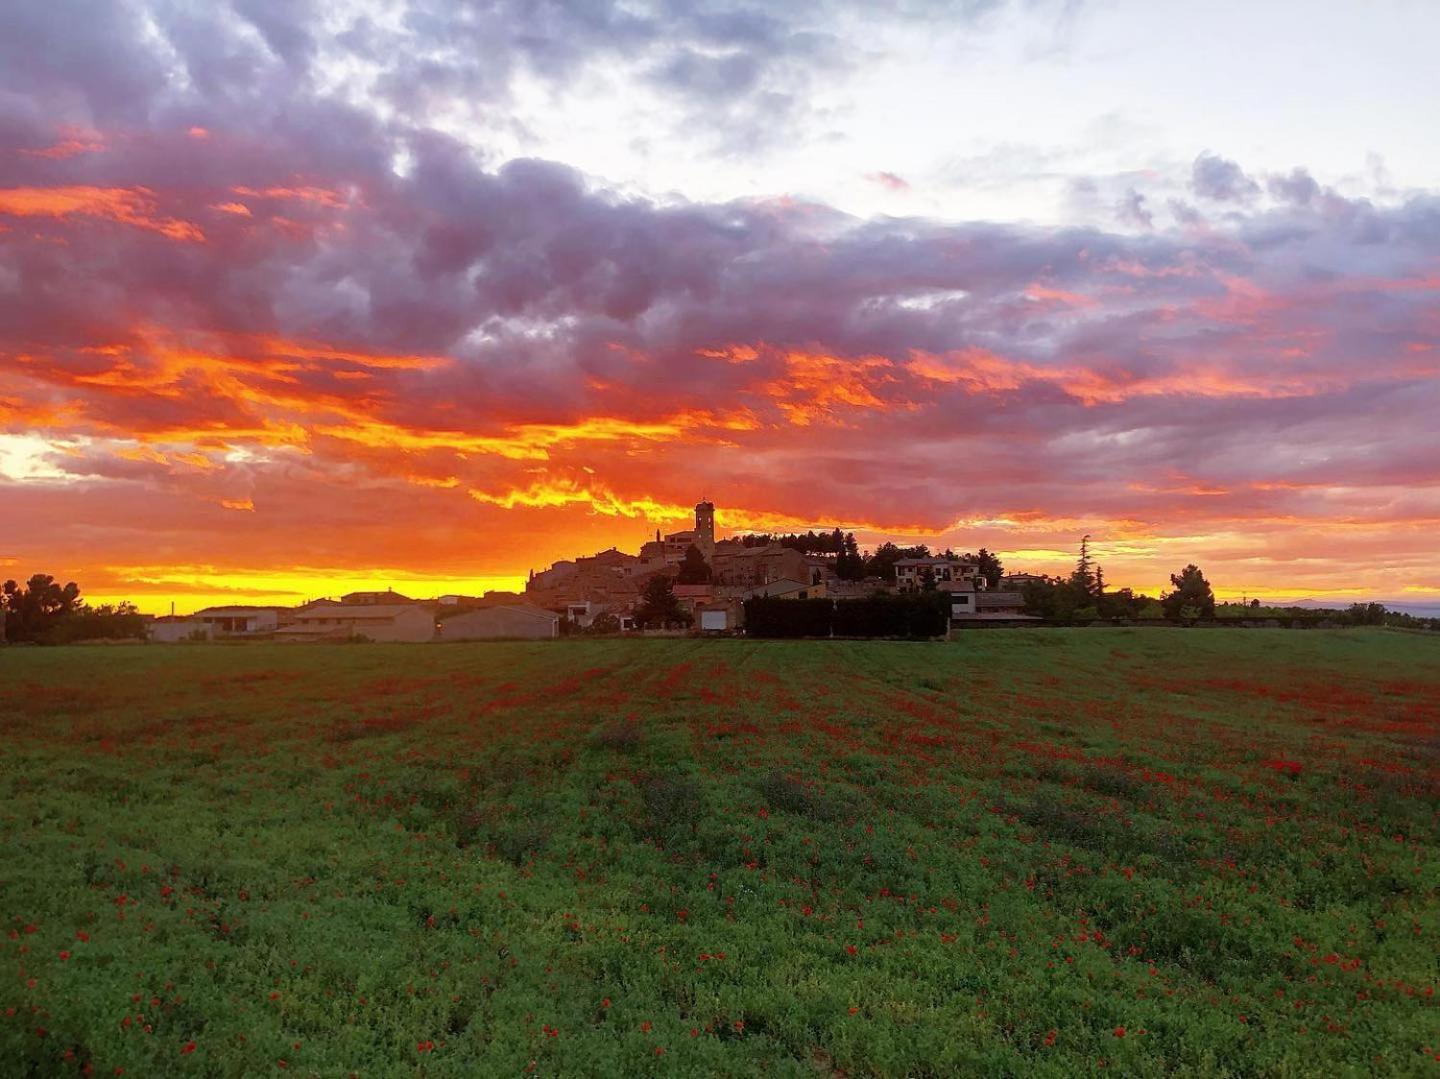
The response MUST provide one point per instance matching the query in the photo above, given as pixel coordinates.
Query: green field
(1134, 852)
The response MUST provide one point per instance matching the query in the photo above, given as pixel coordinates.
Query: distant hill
(1418, 609)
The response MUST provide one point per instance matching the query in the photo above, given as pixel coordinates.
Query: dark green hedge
(766, 617)
(920, 616)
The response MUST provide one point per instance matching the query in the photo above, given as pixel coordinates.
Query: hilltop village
(680, 580)
(712, 579)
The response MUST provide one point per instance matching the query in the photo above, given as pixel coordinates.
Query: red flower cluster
(1284, 767)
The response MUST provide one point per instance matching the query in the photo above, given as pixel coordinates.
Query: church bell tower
(705, 529)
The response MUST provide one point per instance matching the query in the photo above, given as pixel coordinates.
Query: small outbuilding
(169, 629)
(513, 620)
(717, 617)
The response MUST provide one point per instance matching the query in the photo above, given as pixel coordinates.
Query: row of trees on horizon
(1083, 596)
(853, 564)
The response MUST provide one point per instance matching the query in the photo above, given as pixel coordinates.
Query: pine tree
(658, 605)
(1083, 578)
(991, 567)
(850, 564)
(694, 569)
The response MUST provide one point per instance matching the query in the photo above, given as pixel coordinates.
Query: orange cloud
(984, 371)
(819, 388)
(602, 500)
(731, 353)
(149, 453)
(129, 206)
(1058, 297)
(271, 380)
(321, 196)
(73, 141)
(532, 441)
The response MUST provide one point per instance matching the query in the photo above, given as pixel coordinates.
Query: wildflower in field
(1284, 767)
(187, 1048)
(1119, 1032)
(64, 956)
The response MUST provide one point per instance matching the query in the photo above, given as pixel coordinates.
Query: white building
(521, 620)
(972, 603)
(168, 629)
(376, 622)
(238, 621)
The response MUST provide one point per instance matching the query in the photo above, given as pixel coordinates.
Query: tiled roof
(359, 610)
(519, 608)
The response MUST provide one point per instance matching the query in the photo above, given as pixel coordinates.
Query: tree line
(43, 611)
(853, 564)
(1085, 597)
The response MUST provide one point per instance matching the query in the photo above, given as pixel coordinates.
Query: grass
(1042, 853)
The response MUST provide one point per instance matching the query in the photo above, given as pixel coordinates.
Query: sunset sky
(302, 296)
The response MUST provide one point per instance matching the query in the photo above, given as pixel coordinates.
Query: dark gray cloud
(1134, 211)
(738, 74)
(1221, 180)
(1299, 187)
